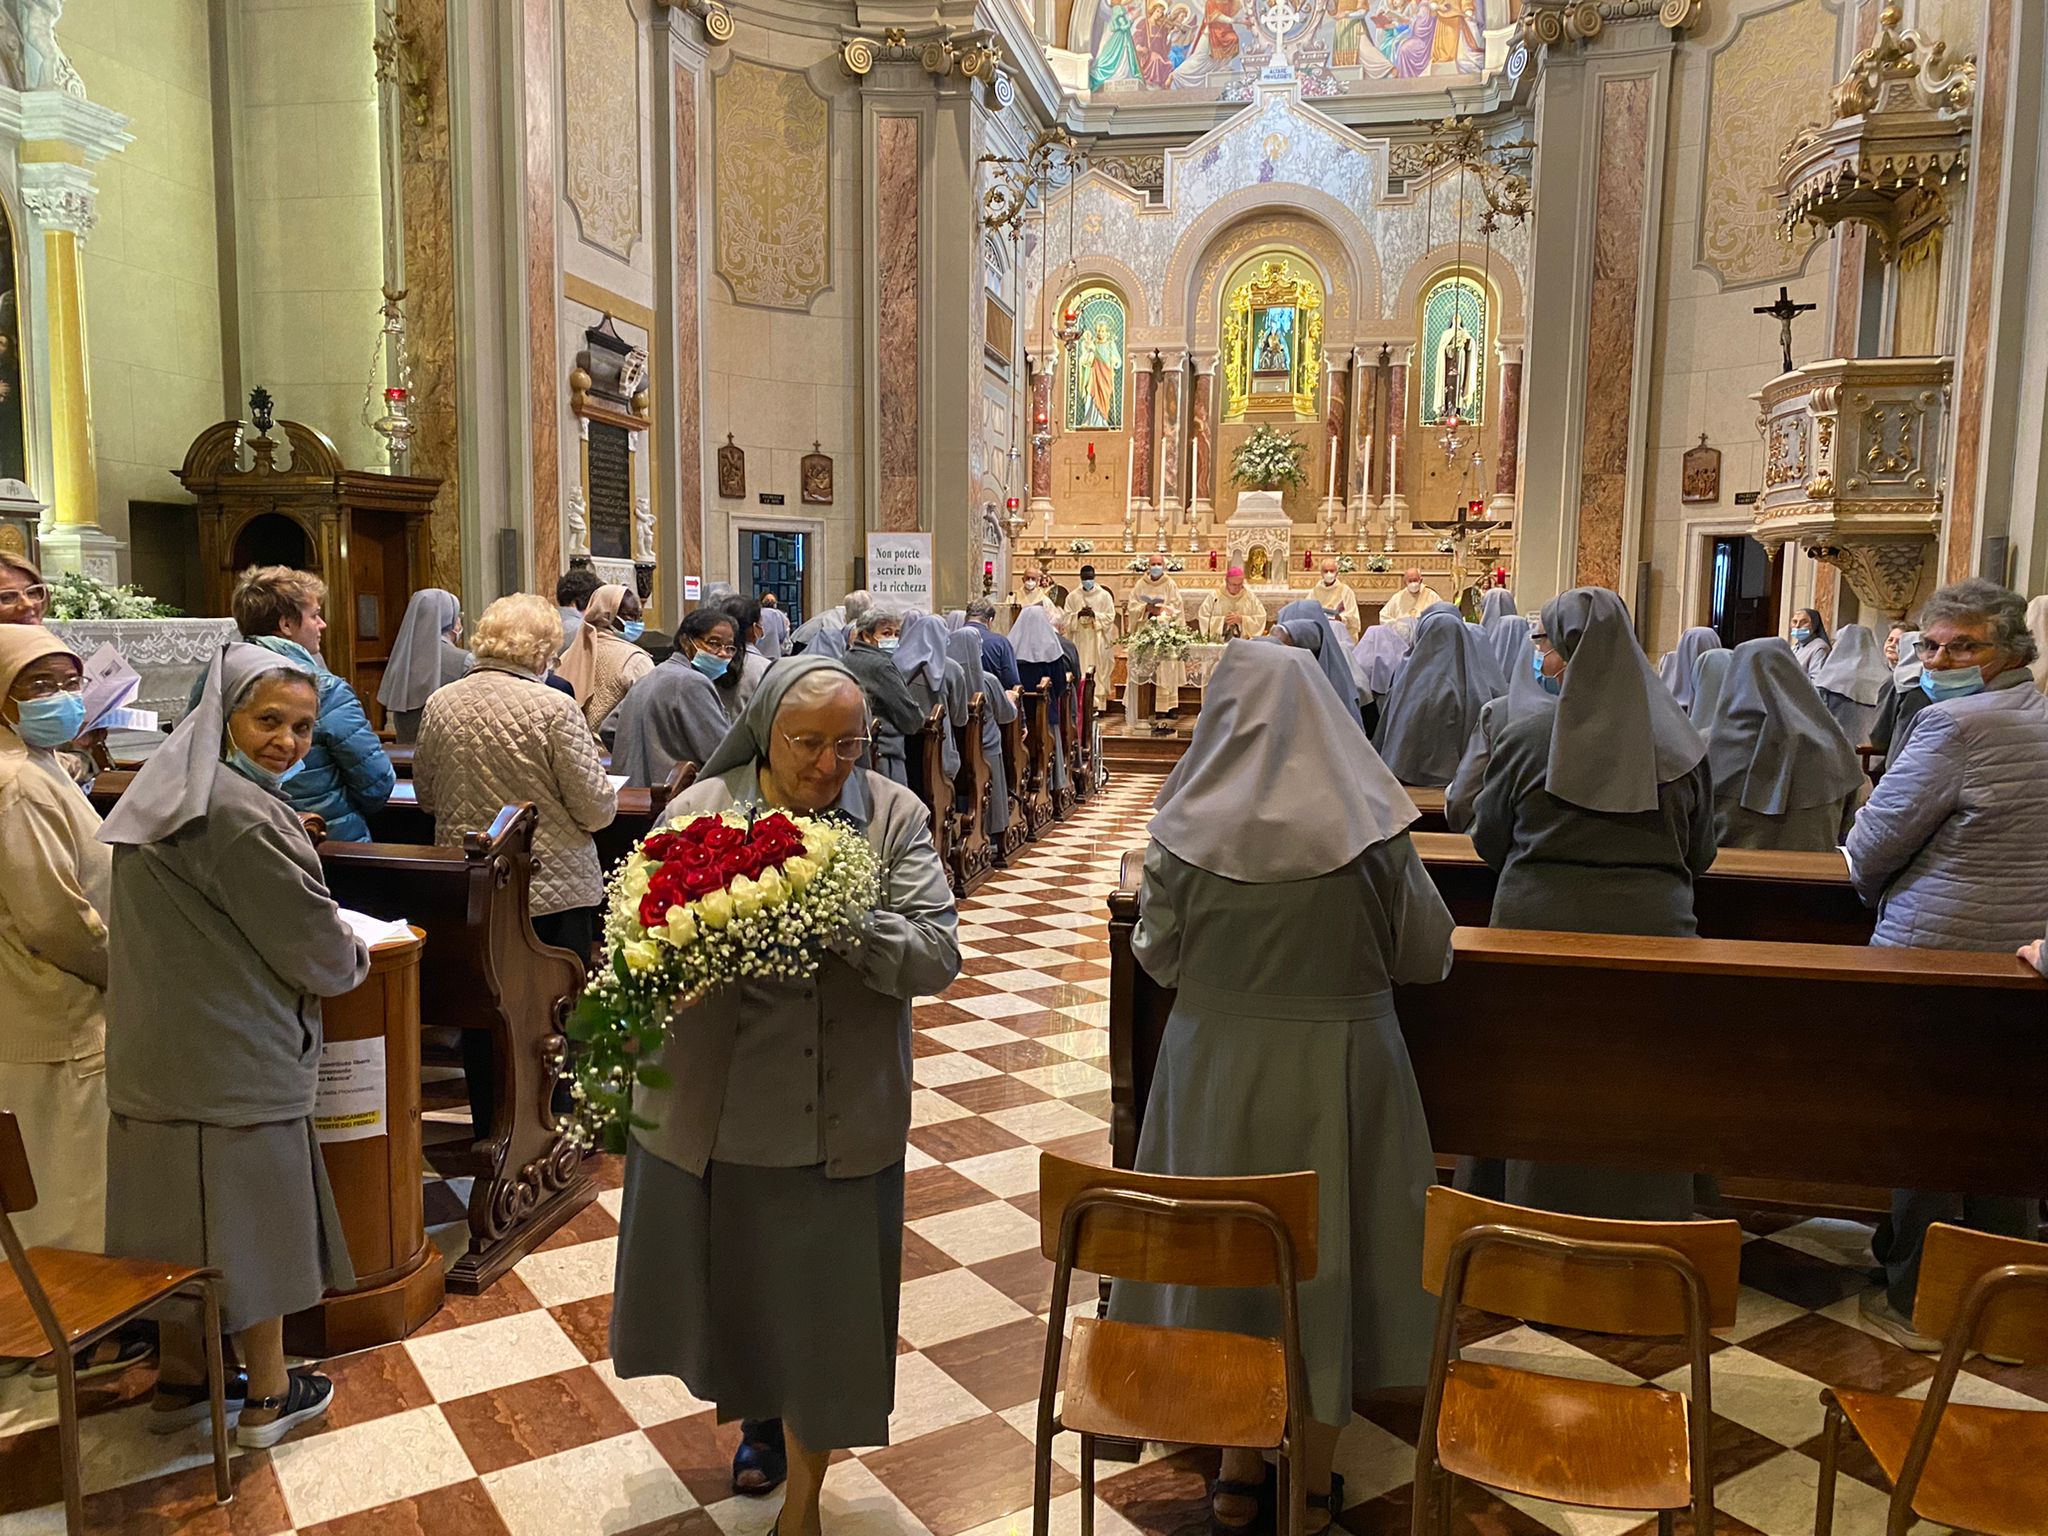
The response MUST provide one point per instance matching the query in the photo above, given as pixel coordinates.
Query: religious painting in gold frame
(1273, 344)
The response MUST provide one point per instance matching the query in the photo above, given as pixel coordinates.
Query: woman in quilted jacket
(502, 735)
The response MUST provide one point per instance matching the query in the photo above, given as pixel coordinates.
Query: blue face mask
(1801, 636)
(1550, 685)
(634, 629)
(52, 721)
(888, 644)
(256, 773)
(1956, 683)
(711, 666)
(1088, 585)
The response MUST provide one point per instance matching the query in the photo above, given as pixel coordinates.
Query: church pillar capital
(1173, 358)
(1204, 361)
(1402, 353)
(1510, 352)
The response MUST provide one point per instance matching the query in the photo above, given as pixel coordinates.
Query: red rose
(666, 886)
(697, 829)
(702, 882)
(653, 909)
(689, 856)
(721, 837)
(661, 846)
(776, 826)
(731, 865)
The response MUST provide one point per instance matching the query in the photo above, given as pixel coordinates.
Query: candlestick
(1393, 469)
(1195, 479)
(1130, 469)
(1331, 493)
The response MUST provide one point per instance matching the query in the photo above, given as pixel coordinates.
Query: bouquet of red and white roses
(712, 900)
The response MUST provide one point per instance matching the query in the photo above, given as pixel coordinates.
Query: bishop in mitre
(1413, 600)
(1235, 612)
(1338, 600)
(1091, 625)
(1035, 591)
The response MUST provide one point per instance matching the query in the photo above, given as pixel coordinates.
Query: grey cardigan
(848, 1105)
(222, 941)
(1952, 846)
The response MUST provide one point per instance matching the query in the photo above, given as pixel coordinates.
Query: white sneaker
(1888, 1320)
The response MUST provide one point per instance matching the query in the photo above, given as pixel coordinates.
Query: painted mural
(1218, 47)
(1095, 364)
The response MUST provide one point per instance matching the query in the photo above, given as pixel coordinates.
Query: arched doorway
(271, 538)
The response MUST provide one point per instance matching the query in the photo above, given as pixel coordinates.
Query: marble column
(1144, 399)
(1398, 473)
(898, 195)
(679, 431)
(1041, 423)
(59, 207)
(1336, 425)
(1172, 400)
(1507, 457)
(1358, 427)
(1202, 441)
(539, 151)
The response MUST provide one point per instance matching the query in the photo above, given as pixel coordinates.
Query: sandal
(1331, 1503)
(179, 1404)
(98, 1362)
(307, 1398)
(761, 1463)
(1263, 1496)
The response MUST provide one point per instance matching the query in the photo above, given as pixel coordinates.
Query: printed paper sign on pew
(109, 684)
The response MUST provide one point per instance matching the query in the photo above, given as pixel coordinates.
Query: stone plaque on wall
(611, 492)
(1701, 478)
(601, 84)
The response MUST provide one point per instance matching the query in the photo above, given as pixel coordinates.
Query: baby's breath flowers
(714, 900)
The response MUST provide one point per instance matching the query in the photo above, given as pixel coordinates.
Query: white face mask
(1030, 586)
(1155, 572)
(1329, 578)
(1414, 588)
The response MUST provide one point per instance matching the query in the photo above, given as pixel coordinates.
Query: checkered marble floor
(503, 1414)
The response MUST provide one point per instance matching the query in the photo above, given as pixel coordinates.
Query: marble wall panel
(427, 198)
(601, 121)
(1619, 211)
(1143, 397)
(544, 382)
(771, 185)
(898, 375)
(1987, 169)
(688, 339)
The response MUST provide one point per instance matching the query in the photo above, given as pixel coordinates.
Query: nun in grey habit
(424, 656)
(922, 659)
(1679, 668)
(1376, 661)
(1282, 896)
(963, 654)
(222, 942)
(1525, 692)
(1496, 603)
(1852, 681)
(1309, 627)
(672, 715)
(1784, 774)
(1599, 814)
(1709, 673)
(1434, 707)
(761, 1235)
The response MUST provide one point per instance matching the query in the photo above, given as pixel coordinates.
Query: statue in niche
(44, 66)
(1257, 564)
(579, 522)
(1100, 362)
(1454, 369)
(1275, 353)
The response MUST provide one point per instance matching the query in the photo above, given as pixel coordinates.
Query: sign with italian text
(900, 566)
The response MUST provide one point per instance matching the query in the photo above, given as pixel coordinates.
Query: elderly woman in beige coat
(761, 1239)
(500, 736)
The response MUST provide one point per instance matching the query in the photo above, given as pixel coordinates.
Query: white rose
(682, 926)
(715, 910)
(798, 872)
(638, 873)
(641, 955)
(774, 891)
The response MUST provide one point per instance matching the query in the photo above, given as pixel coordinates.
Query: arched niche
(1311, 221)
(1456, 317)
(1096, 379)
(274, 538)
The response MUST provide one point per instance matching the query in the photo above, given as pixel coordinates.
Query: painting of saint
(1274, 350)
(1117, 56)
(1156, 38)
(1437, 37)
(1217, 45)
(1095, 366)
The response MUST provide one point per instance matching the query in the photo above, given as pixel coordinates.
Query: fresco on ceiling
(1217, 48)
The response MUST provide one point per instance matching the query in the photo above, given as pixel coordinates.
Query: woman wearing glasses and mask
(1949, 850)
(680, 711)
(760, 1243)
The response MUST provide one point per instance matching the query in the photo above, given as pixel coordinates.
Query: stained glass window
(1095, 363)
(1453, 359)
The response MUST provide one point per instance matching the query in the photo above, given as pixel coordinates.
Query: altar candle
(1365, 460)
(1195, 478)
(1130, 470)
(1331, 493)
(1393, 467)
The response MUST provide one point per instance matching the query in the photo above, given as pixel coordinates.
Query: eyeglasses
(718, 648)
(50, 687)
(23, 597)
(1539, 639)
(848, 749)
(1958, 650)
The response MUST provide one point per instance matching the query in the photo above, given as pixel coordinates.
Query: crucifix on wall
(1784, 311)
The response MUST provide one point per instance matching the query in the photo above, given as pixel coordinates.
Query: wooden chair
(55, 1301)
(1185, 1385)
(1976, 1469)
(1557, 1438)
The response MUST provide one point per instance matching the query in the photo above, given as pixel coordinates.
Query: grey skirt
(1235, 1095)
(770, 1292)
(251, 1201)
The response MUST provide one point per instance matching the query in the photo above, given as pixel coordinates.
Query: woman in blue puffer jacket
(346, 777)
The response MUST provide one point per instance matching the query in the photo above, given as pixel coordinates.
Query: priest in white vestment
(1154, 595)
(1091, 625)
(1338, 600)
(1412, 601)
(1233, 612)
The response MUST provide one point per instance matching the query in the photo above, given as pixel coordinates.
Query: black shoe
(761, 1463)
(307, 1398)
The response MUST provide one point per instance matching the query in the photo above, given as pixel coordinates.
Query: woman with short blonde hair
(24, 597)
(524, 629)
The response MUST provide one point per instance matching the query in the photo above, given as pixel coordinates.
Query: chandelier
(1502, 169)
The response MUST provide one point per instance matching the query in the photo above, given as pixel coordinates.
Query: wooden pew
(973, 854)
(1430, 802)
(1077, 728)
(1020, 830)
(640, 811)
(1034, 784)
(1060, 730)
(1750, 893)
(1803, 1063)
(924, 756)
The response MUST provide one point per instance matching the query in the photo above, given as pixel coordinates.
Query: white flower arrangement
(1378, 563)
(693, 907)
(1346, 565)
(1446, 547)
(75, 595)
(1081, 547)
(1161, 639)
